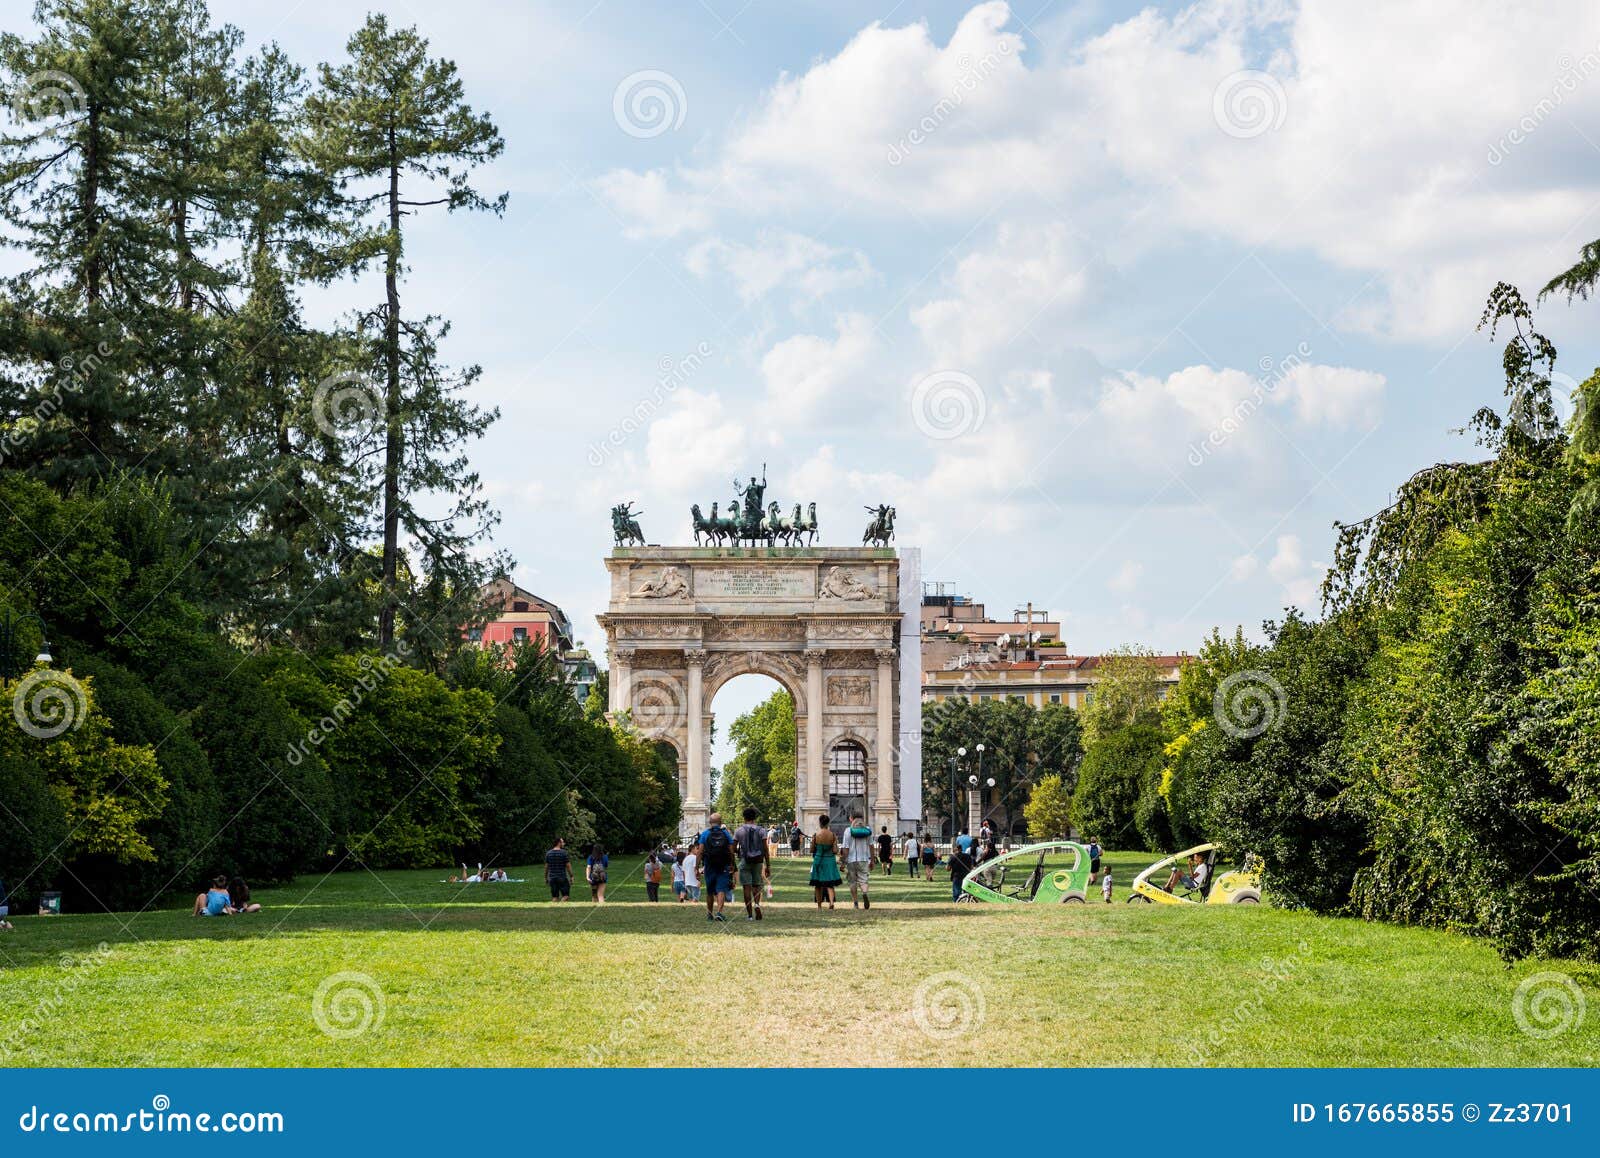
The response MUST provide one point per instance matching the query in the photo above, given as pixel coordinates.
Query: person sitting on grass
(214, 902)
(239, 897)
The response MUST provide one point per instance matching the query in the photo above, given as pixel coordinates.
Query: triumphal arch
(826, 622)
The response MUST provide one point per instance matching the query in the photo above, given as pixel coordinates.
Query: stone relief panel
(849, 691)
(667, 583)
(844, 583)
(755, 630)
(659, 629)
(881, 631)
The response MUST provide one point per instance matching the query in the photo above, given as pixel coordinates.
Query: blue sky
(1008, 268)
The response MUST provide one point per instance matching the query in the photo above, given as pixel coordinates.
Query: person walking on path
(716, 852)
(797, 840)
(750, 839)
(558, 871)
(886, 851)
(824, 863)
(595, 869)
(913, 855)
(860, 851)
(691, 873)
(678, 889)
(930, 858)
(652, 877)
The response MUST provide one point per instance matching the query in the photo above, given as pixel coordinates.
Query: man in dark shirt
(558, 871)
(961, 863)
(886, 851)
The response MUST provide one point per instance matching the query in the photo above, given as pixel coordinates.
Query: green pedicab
(1052, 873)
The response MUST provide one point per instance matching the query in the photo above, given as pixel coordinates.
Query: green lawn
(496, 975)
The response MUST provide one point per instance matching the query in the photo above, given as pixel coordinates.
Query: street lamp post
(10, 657)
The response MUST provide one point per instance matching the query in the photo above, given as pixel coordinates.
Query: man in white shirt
(860, 853)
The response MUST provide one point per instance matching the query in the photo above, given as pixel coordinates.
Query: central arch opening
(754, 749)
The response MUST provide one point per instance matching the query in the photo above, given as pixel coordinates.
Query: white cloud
(1300, 581)
(1381, 161)
(1334, 395)
(779, 259)
(1243, 567)
(1126, 578)
(1026, 278)
(650, 206)
(809, 376)
(694, 436)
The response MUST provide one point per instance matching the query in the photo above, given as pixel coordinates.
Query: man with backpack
(716, 859)
(751, 841)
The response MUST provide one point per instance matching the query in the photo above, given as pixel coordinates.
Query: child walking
(1105, 885)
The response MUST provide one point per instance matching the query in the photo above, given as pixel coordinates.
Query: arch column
(814, 801)
(695, 804)
(884, 807)
(621, 681)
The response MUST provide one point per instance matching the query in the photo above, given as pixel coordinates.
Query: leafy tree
(1128, 692)
(107, 790)
(1049, 808)
(1116, 769)
(394, 122)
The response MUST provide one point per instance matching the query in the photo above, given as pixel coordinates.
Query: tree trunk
(394, 446)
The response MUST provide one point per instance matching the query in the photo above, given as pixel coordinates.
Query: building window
(520, 634)
(1055, 697)
(475, 634)
(519, 605)
(1088, 698)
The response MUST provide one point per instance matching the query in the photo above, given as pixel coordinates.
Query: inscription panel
(754, 582)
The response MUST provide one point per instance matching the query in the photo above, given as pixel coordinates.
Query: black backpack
(719, 848)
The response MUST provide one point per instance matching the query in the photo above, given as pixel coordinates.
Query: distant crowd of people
(708, 866)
